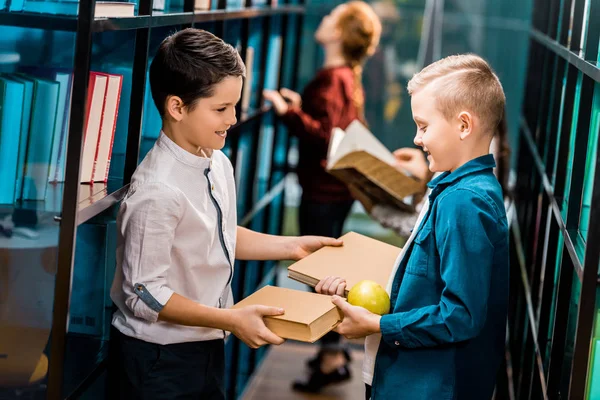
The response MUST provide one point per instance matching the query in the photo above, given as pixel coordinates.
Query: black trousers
(149, 371)
(368, 389)
(324, 219)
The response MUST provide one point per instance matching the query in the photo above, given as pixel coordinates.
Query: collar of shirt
(182, 155)
(438, 184)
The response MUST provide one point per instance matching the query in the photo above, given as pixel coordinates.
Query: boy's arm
(246, 323)
(148, 220)
(466, 230)
(260, 246)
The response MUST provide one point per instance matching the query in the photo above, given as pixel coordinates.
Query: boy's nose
(232, 120)
(418, 141)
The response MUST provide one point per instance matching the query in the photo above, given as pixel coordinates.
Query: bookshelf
(554, 269)
(74, 230)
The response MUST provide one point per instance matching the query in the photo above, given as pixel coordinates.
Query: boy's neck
(179, 140)
(333, 56)
(476, 152)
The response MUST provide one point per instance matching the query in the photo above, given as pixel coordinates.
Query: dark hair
(189, 64)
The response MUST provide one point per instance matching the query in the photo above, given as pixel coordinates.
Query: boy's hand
(302, 246)
(358, 322)
(331, 285)
(413, 161)
(292, 97)
(281, 107)
(250, 328)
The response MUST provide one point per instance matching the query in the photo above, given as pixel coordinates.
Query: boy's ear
(174, 107)
(465, 122)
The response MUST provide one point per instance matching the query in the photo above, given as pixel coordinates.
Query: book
(104, 9)
(360, 258)
(245, 103)
(356, 157)
(41, 137)
(25, 121)
(202, 5)
(95, 108)
(59, 147)
(12, 93)
(308, 316)
(63, 76)
(107, 129)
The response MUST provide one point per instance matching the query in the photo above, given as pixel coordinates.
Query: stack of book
(34, 123)
(103, 9)
(309, 316)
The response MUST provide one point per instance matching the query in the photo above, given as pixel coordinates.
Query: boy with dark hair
(178, 235)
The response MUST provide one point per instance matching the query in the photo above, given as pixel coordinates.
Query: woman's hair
(503, 156)
(360, 31)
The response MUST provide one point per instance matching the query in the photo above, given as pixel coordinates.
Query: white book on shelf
(95, 108)
(104, 9)
(107, 128)
(245, 106)
(201, 5)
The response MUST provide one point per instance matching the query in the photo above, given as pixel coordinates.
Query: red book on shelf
(108, 126)
(95, 107)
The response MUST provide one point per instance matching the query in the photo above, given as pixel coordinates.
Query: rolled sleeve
(466, 230)
(148, 219)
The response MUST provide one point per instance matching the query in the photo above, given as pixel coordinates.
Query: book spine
(100, 133)
(112, 138)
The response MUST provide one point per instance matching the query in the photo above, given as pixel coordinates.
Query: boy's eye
(222, 109)
(423, 128)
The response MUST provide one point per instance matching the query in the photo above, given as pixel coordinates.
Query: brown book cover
(360, 258)
(357, 158)
(308, 316)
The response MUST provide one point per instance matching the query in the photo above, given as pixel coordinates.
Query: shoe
(315, 362)
(318, 380)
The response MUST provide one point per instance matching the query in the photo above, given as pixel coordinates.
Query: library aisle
(287, 362)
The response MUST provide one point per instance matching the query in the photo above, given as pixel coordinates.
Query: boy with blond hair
(444, 338)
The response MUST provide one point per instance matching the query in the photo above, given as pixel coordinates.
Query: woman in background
(349, 35)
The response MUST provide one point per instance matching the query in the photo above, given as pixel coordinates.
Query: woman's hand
(279, 104)
(292, 97)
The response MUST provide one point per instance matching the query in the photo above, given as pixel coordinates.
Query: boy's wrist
(230, 320)
(374, 323)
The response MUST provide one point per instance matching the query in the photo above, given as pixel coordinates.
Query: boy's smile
(435, 134)
(204, 125)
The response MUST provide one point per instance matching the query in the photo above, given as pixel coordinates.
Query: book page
(366, 141)
(343, 144)
(337, 136)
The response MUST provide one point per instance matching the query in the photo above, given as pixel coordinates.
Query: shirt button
(212, 187)
(397, 343)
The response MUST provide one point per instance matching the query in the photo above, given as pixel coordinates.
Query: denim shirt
(445, 336)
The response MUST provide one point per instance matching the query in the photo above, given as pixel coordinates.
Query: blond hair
(464, 82)
(360, 33)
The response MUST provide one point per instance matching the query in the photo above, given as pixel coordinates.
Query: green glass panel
(571, 330)
(559, 252)
(573, 138)
(560, 121)
(590, 164)
(553, 92)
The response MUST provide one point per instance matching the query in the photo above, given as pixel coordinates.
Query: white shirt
(176, 234)
(372, 341)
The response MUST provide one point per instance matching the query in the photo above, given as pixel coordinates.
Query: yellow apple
(370, 295)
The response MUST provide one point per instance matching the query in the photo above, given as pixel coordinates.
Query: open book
(360, 258)
(308, 316)
(361, 161)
